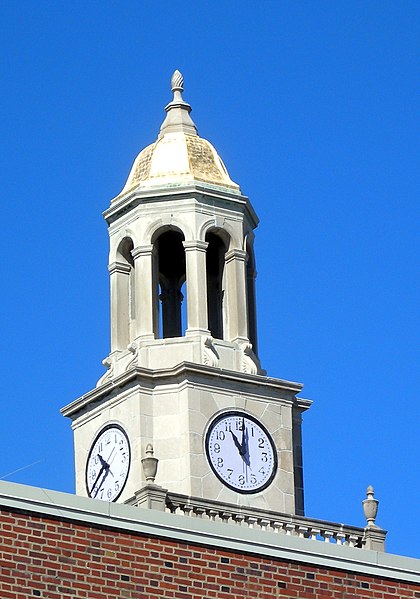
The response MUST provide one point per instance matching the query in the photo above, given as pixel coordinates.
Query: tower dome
(178, 156)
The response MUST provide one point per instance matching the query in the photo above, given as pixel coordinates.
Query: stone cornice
(153, 523)
(200, 192)
(195, 372)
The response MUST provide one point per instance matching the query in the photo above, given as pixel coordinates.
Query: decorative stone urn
(150, 464)
(370, 507)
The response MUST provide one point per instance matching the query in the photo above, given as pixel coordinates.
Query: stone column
(236, 321)
(195, 258)
(145, 292)
(120, 316)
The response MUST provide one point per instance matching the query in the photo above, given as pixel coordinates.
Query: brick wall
(52, 559)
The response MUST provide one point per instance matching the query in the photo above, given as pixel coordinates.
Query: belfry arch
(169, 275)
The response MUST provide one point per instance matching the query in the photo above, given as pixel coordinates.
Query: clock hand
(113, 449)
(101, 459)
(245, 446)
(102, 481)
(104, 465)
(235, 439)
(242, 447)
(110, 461)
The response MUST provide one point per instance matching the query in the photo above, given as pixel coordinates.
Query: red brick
(66, 560)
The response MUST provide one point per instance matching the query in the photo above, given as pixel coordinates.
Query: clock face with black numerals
(108, 464)
(241, 452)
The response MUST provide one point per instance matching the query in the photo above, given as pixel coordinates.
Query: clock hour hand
(243, 446)
(104, 465)
(105, 474)
(236, 441)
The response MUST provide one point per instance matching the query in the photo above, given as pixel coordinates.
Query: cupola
(179, 155)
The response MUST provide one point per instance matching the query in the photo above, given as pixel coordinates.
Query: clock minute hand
(245, 442)
(245, 446)
(110, 461)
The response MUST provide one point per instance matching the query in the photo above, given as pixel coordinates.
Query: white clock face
(108, 464)
(241, 452)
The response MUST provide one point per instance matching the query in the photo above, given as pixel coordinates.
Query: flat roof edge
(125, 518)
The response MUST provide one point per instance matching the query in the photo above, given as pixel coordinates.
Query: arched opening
(251, 275)
(184, 315)
(171, 277)
(215, 263)
(124, 251)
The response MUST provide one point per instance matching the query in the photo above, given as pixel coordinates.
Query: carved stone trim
(235, 255)
(194, 371)
(248, 362)
(109, 365)
(143, 250)
(120, 267)
(210, 357)
(197, 245)
(133, 348)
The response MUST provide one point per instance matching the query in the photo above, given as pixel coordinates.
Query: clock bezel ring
(110, 425)
(242, 414)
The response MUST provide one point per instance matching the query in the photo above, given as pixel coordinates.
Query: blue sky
(312, 106)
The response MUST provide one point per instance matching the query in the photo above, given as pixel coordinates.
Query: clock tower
(183, 372)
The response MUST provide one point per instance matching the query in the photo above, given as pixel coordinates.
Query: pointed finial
(178, 111)
(177, 81)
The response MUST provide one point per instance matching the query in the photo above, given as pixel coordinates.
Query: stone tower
(183, 372)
